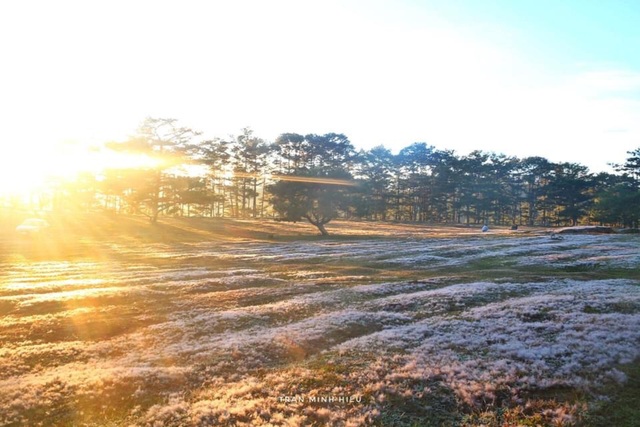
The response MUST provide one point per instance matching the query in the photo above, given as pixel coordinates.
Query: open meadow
(197, 322)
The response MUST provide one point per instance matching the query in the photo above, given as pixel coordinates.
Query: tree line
(318, 178)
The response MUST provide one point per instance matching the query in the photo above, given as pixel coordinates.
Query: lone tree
(317, 188)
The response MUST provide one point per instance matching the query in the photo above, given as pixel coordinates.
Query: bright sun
(25, 171)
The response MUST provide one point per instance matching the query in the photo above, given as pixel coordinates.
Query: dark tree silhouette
(313, 177)
(316, 185)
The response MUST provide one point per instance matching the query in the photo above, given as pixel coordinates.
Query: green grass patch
(430, 405)
(622, 407)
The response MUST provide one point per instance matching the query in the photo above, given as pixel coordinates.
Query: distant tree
(415, 189)
(317, 184)
(632, 165)
(503, 188)
(375, 170)
(473, 184)
(329, 151)
(617, 200)
(249, 163)
(313, 177)
(445, 183)
(192, 195)
(162, 141)
(317, 196)
(569, 189)
(293, 153)
(215, 154)
(534, 174)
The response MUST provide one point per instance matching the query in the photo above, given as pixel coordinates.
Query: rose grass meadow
(386, 325)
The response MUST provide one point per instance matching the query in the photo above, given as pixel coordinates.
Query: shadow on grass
(622, 409)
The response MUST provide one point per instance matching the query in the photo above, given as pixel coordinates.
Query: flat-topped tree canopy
(315, 180)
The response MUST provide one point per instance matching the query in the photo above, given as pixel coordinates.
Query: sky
(558, 79)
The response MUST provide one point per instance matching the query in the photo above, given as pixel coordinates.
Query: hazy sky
(560, 79)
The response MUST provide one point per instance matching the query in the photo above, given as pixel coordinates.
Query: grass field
(110, 321)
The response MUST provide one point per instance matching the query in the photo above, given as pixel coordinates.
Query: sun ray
(24, 174)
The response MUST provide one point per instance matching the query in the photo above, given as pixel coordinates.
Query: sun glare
(23, 173)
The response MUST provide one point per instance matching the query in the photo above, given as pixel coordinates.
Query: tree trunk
(262, 198)
(255, 197)
(323, 230)
(319, 223)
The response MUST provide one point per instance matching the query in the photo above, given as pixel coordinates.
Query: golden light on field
(23, 171)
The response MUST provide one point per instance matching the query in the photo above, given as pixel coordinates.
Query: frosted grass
(220, 343)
